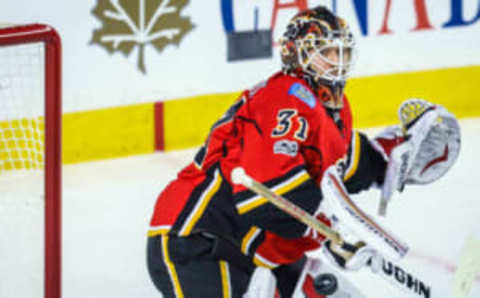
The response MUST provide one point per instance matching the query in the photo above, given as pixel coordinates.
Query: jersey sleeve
(275, 126)
(365, 165)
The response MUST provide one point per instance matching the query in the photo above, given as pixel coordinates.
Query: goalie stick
(468, 268)
(341, 205)
(390, 272)
(240, 177)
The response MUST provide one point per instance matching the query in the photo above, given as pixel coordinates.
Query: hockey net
(30, 161)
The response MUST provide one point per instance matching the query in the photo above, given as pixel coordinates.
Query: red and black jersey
(282, 136)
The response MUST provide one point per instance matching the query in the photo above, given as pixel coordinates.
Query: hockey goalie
(211, 237)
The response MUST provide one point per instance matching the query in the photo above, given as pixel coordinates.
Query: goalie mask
(319, 47)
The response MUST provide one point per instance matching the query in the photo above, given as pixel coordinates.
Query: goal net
(30, 161)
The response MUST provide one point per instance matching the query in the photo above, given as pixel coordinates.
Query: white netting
(21, 107)
(22, 204)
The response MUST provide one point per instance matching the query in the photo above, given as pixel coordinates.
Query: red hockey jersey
(282, 135)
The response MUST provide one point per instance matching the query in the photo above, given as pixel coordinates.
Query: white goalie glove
(419, 151)
(353, 257)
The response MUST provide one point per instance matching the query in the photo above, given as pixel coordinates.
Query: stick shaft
(292, 209)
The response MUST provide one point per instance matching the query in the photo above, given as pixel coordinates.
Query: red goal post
(18, 36)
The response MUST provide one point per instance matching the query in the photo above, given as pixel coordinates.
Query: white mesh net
(21, 107)
(21, 176)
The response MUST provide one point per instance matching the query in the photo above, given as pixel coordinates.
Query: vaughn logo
(130, 24)
(407, 281)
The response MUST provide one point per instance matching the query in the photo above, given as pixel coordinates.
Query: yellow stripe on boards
(171, 268)
(187, 121)
(129, 130)
(108, 133)
(375, 100)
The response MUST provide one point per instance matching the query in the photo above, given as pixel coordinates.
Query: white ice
(107, 207)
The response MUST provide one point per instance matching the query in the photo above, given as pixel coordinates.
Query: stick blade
(468, 268)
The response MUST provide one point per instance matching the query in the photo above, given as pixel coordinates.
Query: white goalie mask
(328, 58)
(319, 47)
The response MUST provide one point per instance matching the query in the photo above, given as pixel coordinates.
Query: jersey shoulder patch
(301, 92)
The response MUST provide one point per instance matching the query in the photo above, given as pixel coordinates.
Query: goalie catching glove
(419, 151)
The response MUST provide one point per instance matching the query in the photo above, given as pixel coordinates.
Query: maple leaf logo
(136, 23)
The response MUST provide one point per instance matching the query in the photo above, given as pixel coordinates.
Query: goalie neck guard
(319, 47)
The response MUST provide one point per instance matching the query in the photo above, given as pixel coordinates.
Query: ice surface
(107, 207)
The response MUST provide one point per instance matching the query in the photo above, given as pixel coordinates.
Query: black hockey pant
(187, 267)
(190, 267)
